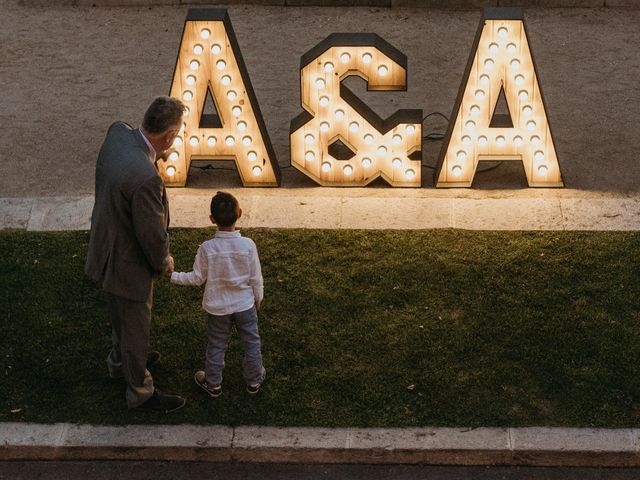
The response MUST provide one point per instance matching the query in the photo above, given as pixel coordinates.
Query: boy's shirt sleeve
(199, 273)
(255, 280)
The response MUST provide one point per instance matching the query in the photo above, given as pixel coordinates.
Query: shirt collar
(151, 149)
(223, 234)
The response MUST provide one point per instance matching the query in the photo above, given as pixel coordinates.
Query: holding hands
(167, 266)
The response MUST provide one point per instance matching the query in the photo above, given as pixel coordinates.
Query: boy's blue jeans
(218, 332)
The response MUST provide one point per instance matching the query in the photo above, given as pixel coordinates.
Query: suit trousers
(130, 330)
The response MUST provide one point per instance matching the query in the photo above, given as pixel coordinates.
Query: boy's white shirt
(230, 265)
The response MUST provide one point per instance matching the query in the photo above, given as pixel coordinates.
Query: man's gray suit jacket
(129, 240)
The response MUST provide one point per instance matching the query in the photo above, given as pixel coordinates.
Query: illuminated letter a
(500, 67)
(210, 65)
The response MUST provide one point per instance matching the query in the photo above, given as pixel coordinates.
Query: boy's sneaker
(255, 388)
(213, 391)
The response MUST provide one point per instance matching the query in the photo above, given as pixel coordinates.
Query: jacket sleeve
(255, 279)
(148, 214)
(199, 273)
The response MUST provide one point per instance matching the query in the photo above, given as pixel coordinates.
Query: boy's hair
(224, 209)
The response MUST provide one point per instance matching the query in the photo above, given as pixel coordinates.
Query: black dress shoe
(163, 402)
(153, 357)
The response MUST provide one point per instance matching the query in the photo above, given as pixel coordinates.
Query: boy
(229, 264)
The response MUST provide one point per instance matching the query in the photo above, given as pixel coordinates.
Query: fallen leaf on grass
(411, 387)
(16, 410)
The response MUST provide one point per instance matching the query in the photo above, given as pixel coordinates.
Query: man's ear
(213, 220)
(239, 212)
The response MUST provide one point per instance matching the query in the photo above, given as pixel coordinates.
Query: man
(129, 243)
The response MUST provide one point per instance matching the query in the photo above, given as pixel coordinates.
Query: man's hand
(167, 266)
(258, 306)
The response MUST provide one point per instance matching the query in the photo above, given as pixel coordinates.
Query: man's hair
(224, 209)
(163, 113)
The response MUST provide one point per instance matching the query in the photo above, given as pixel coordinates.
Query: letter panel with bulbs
(370, 147)
(500, 61)
(210, 63)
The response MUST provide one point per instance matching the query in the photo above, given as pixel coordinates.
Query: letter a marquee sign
(501, 63)
(210, 63)
(338, 140)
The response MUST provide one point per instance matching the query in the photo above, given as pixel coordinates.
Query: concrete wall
(446, 4)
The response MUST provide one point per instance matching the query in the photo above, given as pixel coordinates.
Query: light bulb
(324, 127)
(211, 141)
(461, 155)
(319, 83)
(482, 141)
(221, 64)
(174, 156)
(502, 32)
(326, 166)
(194, 65)
(345, 57)
(523, 95)
(515, 63)
(538, 156)
(456, 170)
(368, 139)
(382, 150)
(494, 48)
(193, 141)
(309, 139)
(366, 58)
(466, 140)
(339, 114)
(252, 156)
(205, 33)
(197, 49)
(226, 80)
(328, 67)
(187, 95)
(237, 111)
(232, 95)
(216, 49)
(397, 163)
(484, 79)
(500, 140)
(177, 142)
(256, 170)
(242, 126)
(470, 126)
(246, 141)
(382, 70)
(309, 156)
(324, 101)
(348, 170)
(171, 171)
(517, 141)
(543, 170)
(396, 139)
(191, 80)
(489, 63)
(230, 140)
(475, 110)
(410, 129)
(353, 127)
(511, 48)
(527, 110)
(409, 174)
(531, 125)
(366, 162)
(519, 79)
(535, 140)
(479, 94)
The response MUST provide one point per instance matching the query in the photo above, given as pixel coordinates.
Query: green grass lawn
(359, 328)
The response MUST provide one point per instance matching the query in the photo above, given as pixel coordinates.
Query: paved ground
(68, 72)
(188, 471)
